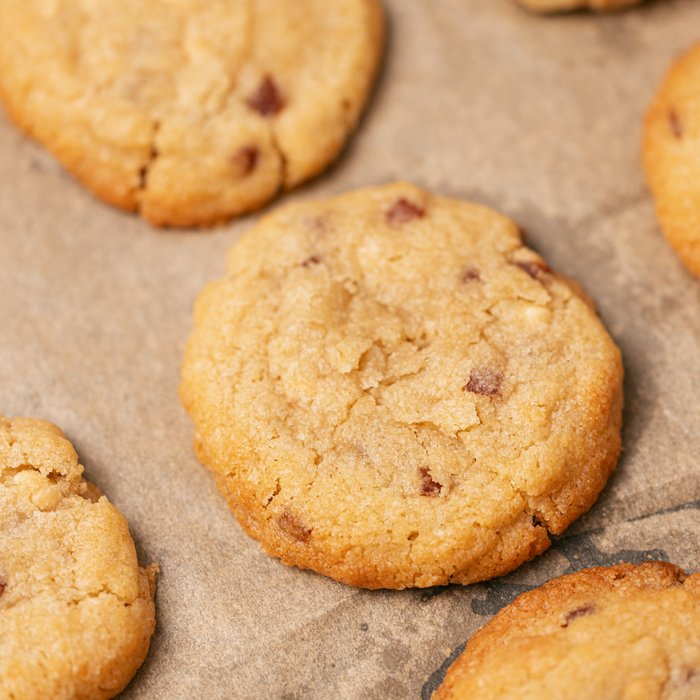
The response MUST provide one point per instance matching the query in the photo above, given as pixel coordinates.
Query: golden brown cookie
(619, 633)
(191, 111)
(671, 151)
(548, 6)
(76, 611)
(391, 389)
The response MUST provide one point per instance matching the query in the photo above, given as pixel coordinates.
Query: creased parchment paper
(538, 117)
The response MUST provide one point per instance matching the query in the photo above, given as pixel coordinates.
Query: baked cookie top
(391, 389)
(624, 632)
(671, 153)
(191, 111)
(76, 611)
(569, 5)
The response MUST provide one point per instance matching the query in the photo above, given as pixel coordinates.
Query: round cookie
(391, 389)
(619, 633)
(671, 155)
(191, 111)
(76, 611)
(547, 6)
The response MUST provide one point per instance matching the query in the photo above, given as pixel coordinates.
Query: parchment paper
(538, 117)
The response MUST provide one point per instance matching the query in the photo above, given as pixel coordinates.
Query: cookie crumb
(267, 99)
(291, 525)
(428, 485)
(403, 211)
(484, 380)
(246, 159)
(578, 612)
(675, 124)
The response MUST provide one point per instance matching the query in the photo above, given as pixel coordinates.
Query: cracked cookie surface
(671, 154)
(76, 611)
(190, 111)
(547, 6)
(391, 389)
(618, 633)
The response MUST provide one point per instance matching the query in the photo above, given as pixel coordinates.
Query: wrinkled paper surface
(537, 117)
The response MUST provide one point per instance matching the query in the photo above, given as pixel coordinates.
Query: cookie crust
(607, 632)
(671, 156)
(190, 112)
(76, 611)
(392, 390)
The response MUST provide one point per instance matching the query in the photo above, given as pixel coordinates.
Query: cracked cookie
(547, 6)
(391, 389)
(191, 111)
(619, 633)
(671, 154)
(76, 611)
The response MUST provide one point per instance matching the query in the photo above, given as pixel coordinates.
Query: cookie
(392, 390)
(627, 632)
(671, 155)
(194, 111)
(76, 611)
(547, 6)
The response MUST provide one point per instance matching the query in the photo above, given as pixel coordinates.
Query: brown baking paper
(537, 117)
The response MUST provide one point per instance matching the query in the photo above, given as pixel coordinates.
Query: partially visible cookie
(619, 633)
(192, 111)
(547, 6)
(76, 611)
(391, 389)
(671, 152)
